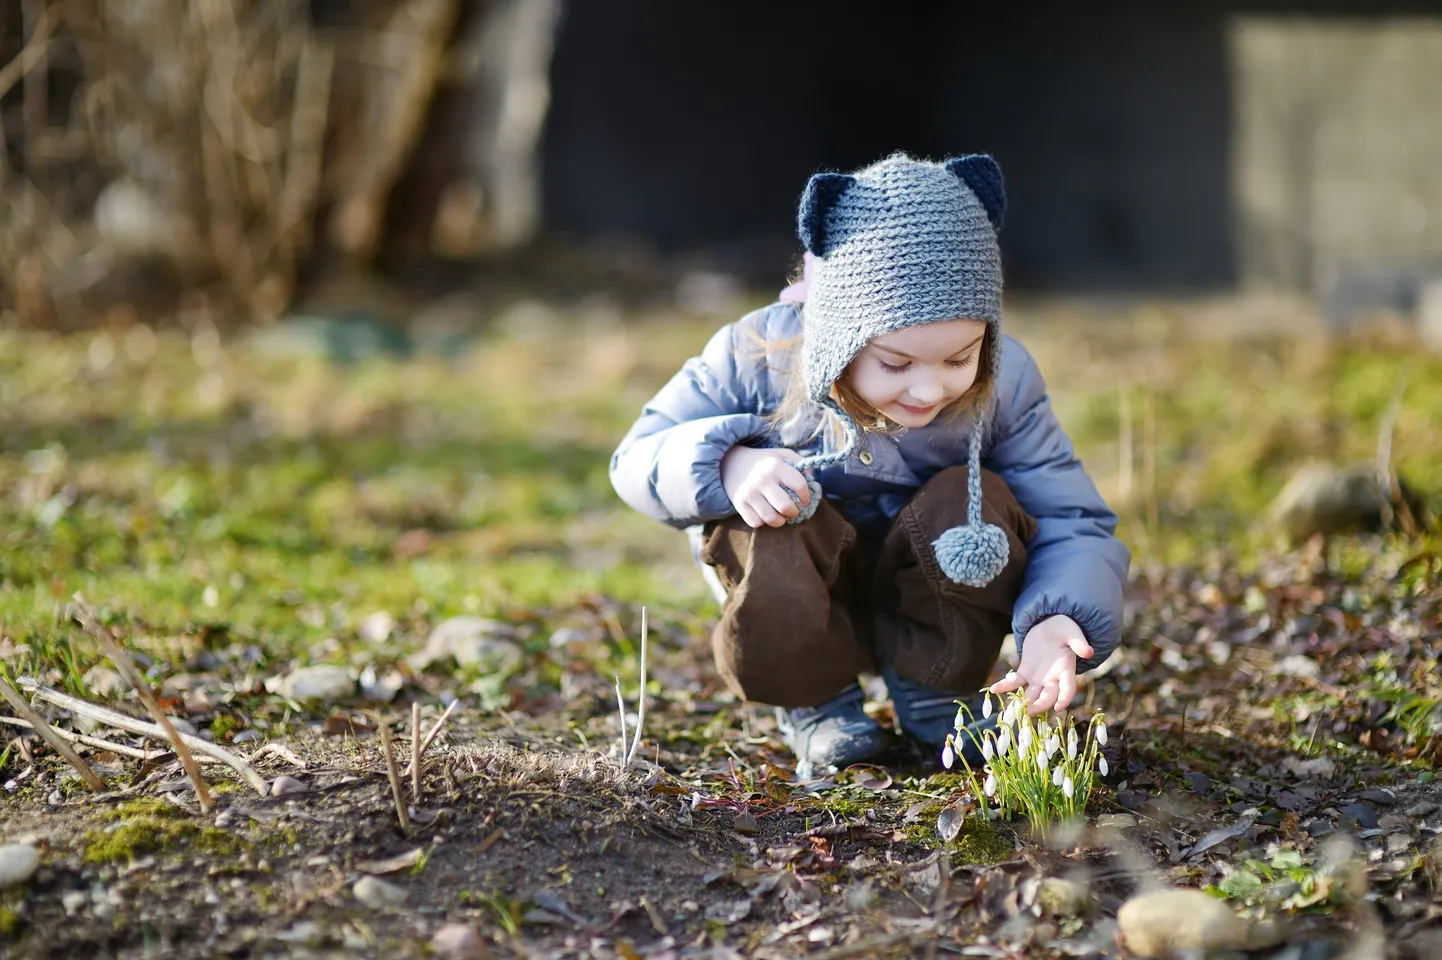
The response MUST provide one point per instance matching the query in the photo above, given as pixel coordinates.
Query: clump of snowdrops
(1033, 766)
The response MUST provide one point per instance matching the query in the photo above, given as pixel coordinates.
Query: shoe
(928, 715)
(836, 733)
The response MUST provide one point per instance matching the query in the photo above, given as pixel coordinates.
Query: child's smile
(911, 375)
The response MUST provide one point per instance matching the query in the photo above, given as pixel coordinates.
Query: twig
(641, 708)
(435, 730)
(120, 748)
(126, 666)
(38, 724)
(30, 57)
(122, 722)
(394, 775)
(416, 752)
(621, 706)
(282, 751)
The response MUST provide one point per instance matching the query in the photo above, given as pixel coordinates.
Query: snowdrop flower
(1102, 733)
(1102, 764)
(988, 751)
(948, 755)
(1071, 744)
(1057, 775)
(986, 706)
(1008, 717)
(989, 788)
(1068, 788)
(1041, 762)
(1043, 730)
(1053, 744)
(1023, 739)
(1003, 742)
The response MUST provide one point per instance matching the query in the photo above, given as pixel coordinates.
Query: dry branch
(129, 724)
(394, 775)
(38, 724)
(416, 752)
(126, 666)
(125, 751)
(436, 729)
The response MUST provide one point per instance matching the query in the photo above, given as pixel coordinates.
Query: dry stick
(394, 775)
(416, 752)
(126, 666)
(131, 725)
(621, 706)
(120, 748)
(641, 708)
(435, 730)
(91, 778)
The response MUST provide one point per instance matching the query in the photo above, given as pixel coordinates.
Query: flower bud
(986, 706)
(1102, 764)
(1041, 762)
(1003, 742)
(989, 788)
(1057, 775)
(1068, 788)
(1102, 733)
(948, 755)
(988, 751)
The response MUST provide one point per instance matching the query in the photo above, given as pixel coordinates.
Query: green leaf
(1241, 885)
(1287, 860)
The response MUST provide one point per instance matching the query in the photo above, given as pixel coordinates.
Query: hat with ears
(896, 244)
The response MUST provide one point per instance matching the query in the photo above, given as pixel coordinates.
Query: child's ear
(821, 193)
(980, 172)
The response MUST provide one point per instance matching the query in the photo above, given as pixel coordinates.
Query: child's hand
(1048, 665)
(756, 479)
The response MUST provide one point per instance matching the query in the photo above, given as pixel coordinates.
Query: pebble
(1360, 815)
(1116, 821)
(456, 941)
(105, 910)
(1161, 923)
(377, 894)
(324, 682)
(74, 901)
(18, 863)
(1422, 809)
(287, 786)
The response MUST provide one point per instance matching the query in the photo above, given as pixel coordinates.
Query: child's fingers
(793, 478)
(1081, 648)
(1044, 700)
(1066, 690)
(747, 514)
(1007, 684)
(780, 500)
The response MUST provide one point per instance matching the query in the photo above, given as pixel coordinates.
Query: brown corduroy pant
(811, 605)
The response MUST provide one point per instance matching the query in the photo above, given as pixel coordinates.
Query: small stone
(1380, 796)
(1360, 815)
(488, 645)
(1397, 843)
(377, 627)
(744, 823)
(456, 941)
(18, 863)
(325, 682)
(1059, 897)
(1425, 808)
(378, 894)
(287, 786)
(1116, 821)
(74, 901)
(1166, 922)
(105, 910)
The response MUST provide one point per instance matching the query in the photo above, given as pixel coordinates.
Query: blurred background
(353, 298)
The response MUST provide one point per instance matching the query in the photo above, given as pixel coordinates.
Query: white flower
(1041, 762)
(948, 756)
(1008, 716)
(1023, 739)
(1057, 775)
(1102, 764)
(986, 706)
(1003, 742)
(1102, 734)
(1043, 730)
(1011, 674)
(1053, 744)
(1071, 744)
(989, 788)
(987, 750)
(1068, 788)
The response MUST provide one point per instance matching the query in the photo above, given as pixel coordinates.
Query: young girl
(872, 476)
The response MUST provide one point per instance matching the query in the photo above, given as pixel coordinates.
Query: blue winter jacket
(668, 466)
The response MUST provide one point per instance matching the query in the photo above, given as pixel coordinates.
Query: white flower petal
(1102, 764)
(987, 749)
(1003, 742)
(1068, 788)
(948, 756)
(1102, 734)
(1057, 775)
(986, 706)
(1041, 763)
(989, 788)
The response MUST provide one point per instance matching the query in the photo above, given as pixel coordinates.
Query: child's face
(912, 374)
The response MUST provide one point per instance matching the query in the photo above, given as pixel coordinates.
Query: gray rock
(456, 941)
(378, 894)
(18, 863)
(488, 645)
(1331, 499)
(1425, 808)
(287, 786)
(74, 901)
(324, 682)
(1359, 815)
(1162, 923)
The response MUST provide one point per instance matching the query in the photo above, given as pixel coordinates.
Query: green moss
(10, 922)
(135, 837)
(147, 808)
(983, 842)
(217, 841)
(223, 726)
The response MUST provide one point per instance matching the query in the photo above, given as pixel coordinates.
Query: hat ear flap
(981, 173)
(821, 193)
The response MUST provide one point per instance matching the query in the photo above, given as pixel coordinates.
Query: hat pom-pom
(807, 509)
(972, 555)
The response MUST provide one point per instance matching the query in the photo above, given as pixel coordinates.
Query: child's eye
(961, 363)
(891, 368)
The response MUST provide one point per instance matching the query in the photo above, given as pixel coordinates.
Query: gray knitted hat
(900, 243)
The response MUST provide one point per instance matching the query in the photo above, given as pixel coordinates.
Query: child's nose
(927, 390)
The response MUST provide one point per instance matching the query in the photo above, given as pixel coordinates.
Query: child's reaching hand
(757, 478)
(1048, 665)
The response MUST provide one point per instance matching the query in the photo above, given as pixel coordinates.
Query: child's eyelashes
(893, 368)
(903, 367)
(964, 362)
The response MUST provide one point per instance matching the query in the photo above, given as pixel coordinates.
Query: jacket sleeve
(1075, 564)
(668, 465)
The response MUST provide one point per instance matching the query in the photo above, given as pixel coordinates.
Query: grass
(207, 497)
